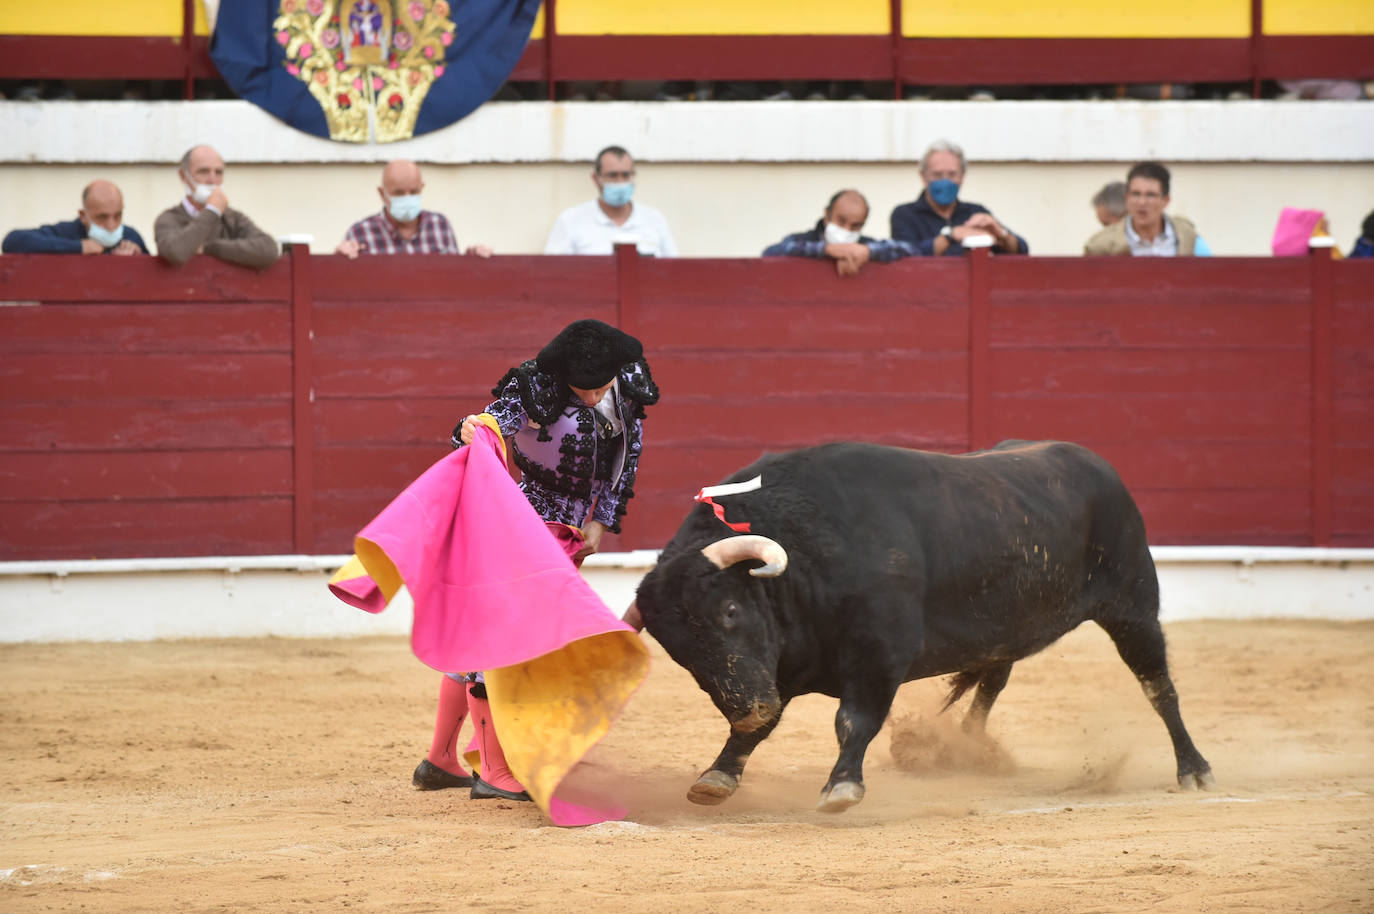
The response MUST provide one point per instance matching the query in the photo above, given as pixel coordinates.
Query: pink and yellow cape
(495, 592)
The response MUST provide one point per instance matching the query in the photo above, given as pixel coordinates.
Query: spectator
(402, 227)
(203, 223)
(1146, 231)
(97, 229)
(1364, 245)
(938, 221)
(595, 227)
(1110, 203)
(1296, 229)
(837, 235)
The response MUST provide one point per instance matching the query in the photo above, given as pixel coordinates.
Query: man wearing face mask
(938, 221)
(597, 226)
(97, 229)
(403, 226)
(838, 235)
(203, 223)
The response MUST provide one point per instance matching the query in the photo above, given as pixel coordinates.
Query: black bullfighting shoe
(481, 790)
(429, 776)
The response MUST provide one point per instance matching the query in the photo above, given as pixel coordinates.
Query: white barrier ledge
(787, 131)
(638, 558)
(286, 596)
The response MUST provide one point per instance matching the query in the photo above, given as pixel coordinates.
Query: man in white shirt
(595, 227)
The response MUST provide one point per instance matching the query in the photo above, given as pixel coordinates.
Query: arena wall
(213, 410)
(730, 177)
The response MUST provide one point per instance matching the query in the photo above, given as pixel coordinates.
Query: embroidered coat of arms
(369, 63)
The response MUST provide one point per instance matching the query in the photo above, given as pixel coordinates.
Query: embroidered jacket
(573, 461)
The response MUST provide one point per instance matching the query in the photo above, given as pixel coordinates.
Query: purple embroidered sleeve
(507, 411)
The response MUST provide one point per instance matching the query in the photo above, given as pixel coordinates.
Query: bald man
(203, 223)
(97, 229)
(403, 226)
(839, 235)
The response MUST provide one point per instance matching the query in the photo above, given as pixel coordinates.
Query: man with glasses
(1146, 231)
(596, 226)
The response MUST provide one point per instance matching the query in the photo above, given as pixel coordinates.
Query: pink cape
(495, 592)
(1294, 231)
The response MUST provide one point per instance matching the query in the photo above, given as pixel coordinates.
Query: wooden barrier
(212, 410)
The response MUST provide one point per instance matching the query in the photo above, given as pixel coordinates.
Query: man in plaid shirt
(403, 227)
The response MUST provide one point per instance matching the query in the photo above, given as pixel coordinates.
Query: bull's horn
(732, 549)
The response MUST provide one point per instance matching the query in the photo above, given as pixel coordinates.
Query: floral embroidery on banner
(369, 63)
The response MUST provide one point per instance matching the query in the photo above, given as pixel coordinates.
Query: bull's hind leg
(991, 682)
(1140, 642)
(718, 782)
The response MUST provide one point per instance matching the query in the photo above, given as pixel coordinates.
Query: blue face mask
(617, 194)
(106, 238)
(404, 208)
(943, 191)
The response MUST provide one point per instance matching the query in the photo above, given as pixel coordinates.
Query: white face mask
(404, 207)
(836, 235)
(200, 192)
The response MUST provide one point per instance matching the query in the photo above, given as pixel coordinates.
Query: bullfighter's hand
(592, 531)
(470, 424)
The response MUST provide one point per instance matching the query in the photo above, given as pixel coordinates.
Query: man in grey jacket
(203, 223)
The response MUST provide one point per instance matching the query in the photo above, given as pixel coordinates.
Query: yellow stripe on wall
(1077, 19)
(1329, 17)
(156, 18)
(725, 17)
(538, 30)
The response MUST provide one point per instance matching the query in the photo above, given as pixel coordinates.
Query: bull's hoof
(713, 788)
(1197, 780)
(841, 796)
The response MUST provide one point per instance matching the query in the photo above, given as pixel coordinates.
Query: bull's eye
(731, 614)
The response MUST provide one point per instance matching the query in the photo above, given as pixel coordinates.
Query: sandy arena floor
(273, 775)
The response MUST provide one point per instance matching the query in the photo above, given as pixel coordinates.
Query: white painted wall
(287, 596)
(731, 177)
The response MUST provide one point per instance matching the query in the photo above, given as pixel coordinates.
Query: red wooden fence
(213, 410)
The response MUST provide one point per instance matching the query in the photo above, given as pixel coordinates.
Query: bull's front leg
(718, 782)
(858, 720)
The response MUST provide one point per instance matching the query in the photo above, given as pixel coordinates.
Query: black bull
(870, 566)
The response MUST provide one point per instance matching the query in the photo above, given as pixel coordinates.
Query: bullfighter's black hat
(588, 353)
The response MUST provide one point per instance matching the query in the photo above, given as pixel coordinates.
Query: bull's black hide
(884, 565)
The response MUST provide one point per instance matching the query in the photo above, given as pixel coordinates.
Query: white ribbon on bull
(726, 552)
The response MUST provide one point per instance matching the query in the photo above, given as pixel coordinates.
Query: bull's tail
(960, 683)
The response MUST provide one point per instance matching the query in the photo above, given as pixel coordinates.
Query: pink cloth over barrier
(1294, 230)
(495, 592)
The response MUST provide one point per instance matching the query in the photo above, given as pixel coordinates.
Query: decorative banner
(370, 70)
